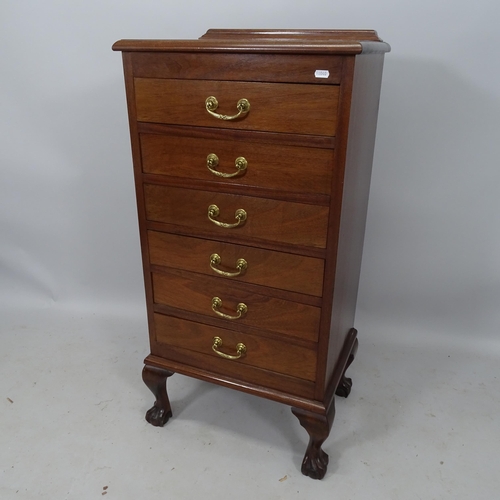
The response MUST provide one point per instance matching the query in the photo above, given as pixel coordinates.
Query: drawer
(284, 168)
(276, 107)
(268, 354)
(281, 221)
(195, 293)
(296, 68)
(285, 271)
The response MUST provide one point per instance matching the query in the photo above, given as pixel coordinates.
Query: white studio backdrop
(68, 230)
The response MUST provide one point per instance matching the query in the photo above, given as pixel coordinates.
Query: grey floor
(422, 421)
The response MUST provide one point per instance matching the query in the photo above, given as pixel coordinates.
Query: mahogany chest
(252, 155)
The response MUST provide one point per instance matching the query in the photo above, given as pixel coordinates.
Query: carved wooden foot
(318, 427)
(156, 380)
(345, 384)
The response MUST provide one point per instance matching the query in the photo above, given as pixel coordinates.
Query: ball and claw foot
(345, 385)
(315, 464)
(156, 380)
(318, 427)
(158, 416)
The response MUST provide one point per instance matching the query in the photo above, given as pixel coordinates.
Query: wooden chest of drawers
(252, 154)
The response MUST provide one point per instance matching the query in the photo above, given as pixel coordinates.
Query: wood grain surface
(240, 67)
(269, 354)
(294, 223)
(269, 268)
(194, 293)
(276, 107)
(276, 167)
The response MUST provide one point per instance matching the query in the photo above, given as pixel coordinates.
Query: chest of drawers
(252, 154)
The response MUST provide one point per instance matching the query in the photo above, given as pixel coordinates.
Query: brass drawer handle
(241, 349)
(213, 161)
(241, 309)
(211, 104)
(240, 215)
(215, 260)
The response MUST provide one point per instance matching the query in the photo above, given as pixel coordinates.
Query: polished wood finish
(166, 155)
(293, 223)
(156, 379)
(266, 353)
(318, 427)
(276, 107)
(308, 140)
(302, 35)
(359, 105)
(318, 424)
(255, 381)
(194, 293)
(238, 67)
(345, 385)
(285, 271)
(246, 136)
(310, 42)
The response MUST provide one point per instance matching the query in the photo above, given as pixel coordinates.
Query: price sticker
(321, 73)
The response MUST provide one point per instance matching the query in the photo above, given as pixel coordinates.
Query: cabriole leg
(318, 427)
(345, 384)
(156, 380)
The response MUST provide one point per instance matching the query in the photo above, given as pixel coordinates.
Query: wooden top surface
(266, 41)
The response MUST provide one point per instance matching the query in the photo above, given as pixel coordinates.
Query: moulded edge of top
(266, 41)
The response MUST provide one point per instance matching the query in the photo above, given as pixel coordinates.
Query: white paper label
(321, 73)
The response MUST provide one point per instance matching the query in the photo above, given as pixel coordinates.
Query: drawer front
(243, 67)
(268, 354)
(284, 168)
(281, 221)
(196, 293)
(276, 107)
(285, 271)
